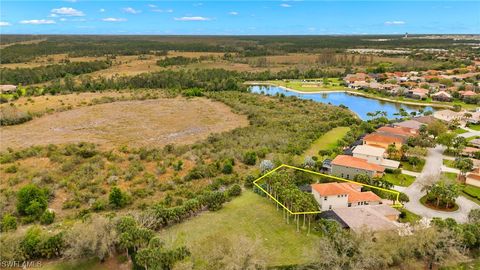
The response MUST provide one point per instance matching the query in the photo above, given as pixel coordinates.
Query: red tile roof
(353, 162)
(382, 138)
(404, 131)
(350, 189)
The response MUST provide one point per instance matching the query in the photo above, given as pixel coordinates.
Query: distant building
(341, 195)
(348, 167)
(411, 124)
(7, 88)
(417, 93)
(374, 155)
(442, 96)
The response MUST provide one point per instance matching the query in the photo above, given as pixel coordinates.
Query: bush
(250, 158)
(227, 167)
(32, 201)
(235, 190)
(214, 200)
(117, 198)
(47, 217)
(9, 222)
(11, 169)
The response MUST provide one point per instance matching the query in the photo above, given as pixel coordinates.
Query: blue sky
(239, 17)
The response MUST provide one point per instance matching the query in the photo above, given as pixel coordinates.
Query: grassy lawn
(474, 127)
(408, 216)
(327, 141)
(431, 205)
(399, 179)
(449, 163)
(409, 167)
(472, 193)
(459, 131)
(334, 84)
(449, 176)
(250, 216)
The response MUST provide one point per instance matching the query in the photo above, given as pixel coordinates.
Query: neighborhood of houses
(354, 209)
(460, 83)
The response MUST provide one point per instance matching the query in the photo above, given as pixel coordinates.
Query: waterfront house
(348, 167)
(342, 195)
(473, 178)
(442, 96)
(417, 93)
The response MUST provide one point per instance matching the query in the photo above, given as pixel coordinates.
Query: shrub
(47, 217)
(227, 167)
(32, 201)
(9, 222)
(214, 200)
(235, 190)
(11, 169)
(117, 198)
(250, 158)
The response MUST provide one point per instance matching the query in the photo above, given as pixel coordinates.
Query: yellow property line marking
(397, 204)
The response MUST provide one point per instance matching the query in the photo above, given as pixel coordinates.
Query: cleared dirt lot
(134, 123)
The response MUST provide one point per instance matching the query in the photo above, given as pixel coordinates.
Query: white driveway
(432, 170)
(470, 133)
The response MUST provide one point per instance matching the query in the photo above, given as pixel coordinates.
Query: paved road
(470, 133)
(432, 171)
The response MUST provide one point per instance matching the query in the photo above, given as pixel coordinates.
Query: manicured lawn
(249, 216)
(399, 179)
(408, 216)
(459, 131)
(472, 193)
(449, 176)
(409, 167)
(449, 163)
(475, 127)
(334, 84)
(431, 205)
(327, 141)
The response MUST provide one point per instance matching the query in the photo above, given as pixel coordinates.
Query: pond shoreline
(356, 93)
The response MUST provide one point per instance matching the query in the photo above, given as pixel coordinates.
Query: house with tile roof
(383, 140)
(398, 131)
(473, 178)
(348, 167)
(418, 93)
(374, 155)
(341, 195)
(442, 96)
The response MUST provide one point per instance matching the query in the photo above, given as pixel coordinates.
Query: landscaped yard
(472, 193)
(449, 163)
(399, 179)
(333, 84)
(449, 176)
(251, 217)
(459, 131)
(414, 168)
(407, 216)
(474, 127)
(327, 141)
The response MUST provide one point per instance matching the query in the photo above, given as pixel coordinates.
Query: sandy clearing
(134, 123)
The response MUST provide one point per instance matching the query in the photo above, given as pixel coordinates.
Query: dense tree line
(176, 61)
(34, 75)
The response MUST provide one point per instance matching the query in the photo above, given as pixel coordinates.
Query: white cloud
(53, 15)
(152, 6)
(285, 5)
(102, 10)
(193, 18)
(5, 24)
(131, 10)
(67, 11)
(62, 19)
(234, 13)
(114, 20)
(163, 10)
(394, 22)
(37, 22)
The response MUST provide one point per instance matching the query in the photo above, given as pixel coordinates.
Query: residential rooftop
(358, 163)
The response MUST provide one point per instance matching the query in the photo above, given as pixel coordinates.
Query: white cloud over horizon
(114, 19)
(163, 10)
(285, 5)
(192, 18)
(5, 24)
(66, 11)
(38, 22)
(394, 22)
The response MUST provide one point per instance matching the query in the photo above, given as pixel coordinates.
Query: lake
(358, 104)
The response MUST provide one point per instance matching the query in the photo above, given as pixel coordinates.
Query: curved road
(432, 170)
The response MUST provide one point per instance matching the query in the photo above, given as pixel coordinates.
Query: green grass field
(449, 176)
(449, 163)
(418, 168)
(249, 216)
(472, 193)
(399, 179)
(327, 141)
(409, 217)
(474, 127)
(334, 84)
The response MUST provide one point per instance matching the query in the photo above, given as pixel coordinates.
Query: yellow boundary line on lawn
(396, 204)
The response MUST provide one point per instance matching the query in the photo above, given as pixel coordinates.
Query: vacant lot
(248, 217)
(136, 123)
(327, 141)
